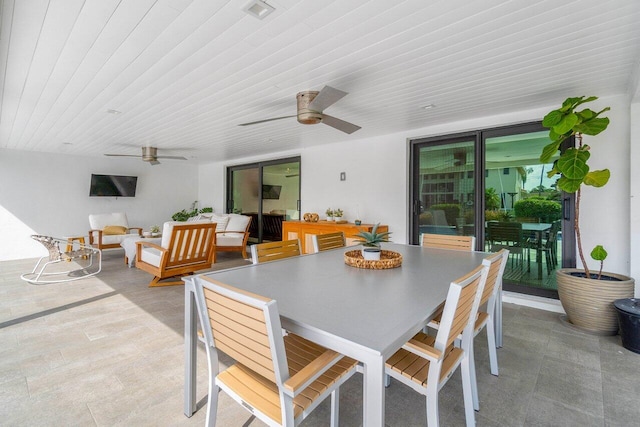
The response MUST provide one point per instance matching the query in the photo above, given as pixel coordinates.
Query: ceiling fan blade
(266, 120)
(154, 162)
(336, 123)
(327, 97)
(172, 157)
(123, 155)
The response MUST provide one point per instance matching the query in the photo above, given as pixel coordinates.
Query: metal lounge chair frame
(40, 275)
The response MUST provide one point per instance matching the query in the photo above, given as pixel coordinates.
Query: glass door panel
(244, 187)
(444, 193)
(243, 195)
(523, 211)
(268, 192)
(280, 195)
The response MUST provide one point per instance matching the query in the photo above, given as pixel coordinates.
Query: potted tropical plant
(184, 214)
(586, 297)
(371, 242)
(338, 214)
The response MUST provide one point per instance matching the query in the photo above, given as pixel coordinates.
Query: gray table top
(375, 309)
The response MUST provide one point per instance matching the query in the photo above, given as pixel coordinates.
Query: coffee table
(129, 246)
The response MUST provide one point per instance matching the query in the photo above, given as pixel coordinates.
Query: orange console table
(304, 230)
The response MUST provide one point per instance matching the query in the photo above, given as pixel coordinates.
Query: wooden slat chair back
(278, 379)
(273, 251)
(425, 363)
(325, 242)
(190, 247)
(496, 263)
(442, 241)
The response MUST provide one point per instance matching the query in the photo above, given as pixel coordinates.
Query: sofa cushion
(203, 216)
(222, 221)
(237, 222)
(151, 256)
(112, 239)
(230, 239)
(100, 221)
(114, 229)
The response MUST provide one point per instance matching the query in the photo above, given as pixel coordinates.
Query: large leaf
(573, 163)
(569, 185)
(597, 178)
(570, 103)
(549, 151)
(598, 253)
(553, 171)
(567, 123)
(593, 126)
(552, 119)
(586, 114)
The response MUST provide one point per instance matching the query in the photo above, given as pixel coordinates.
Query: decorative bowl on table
(388, 259)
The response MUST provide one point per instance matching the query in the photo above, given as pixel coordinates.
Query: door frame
(260, 165)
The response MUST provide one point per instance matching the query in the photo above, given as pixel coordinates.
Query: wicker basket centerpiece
(388, 259)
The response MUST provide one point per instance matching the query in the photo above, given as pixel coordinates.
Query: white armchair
(232, 233)
(109, 230)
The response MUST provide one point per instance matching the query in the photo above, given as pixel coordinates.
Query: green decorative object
(372, 239)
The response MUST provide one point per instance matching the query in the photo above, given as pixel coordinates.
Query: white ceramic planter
(371, 254)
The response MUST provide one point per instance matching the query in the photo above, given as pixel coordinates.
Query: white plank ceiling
(184, 73)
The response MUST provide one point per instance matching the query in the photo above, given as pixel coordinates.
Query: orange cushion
(114, 229)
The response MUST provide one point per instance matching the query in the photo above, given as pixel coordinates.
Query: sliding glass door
(269, 192)
(491, 185)
(445, 187)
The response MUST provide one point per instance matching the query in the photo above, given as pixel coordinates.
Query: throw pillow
(114, 229)
(221, 221)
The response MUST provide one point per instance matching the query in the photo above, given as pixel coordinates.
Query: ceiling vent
(258, 9)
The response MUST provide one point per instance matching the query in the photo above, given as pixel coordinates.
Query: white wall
(605, 212)
(45, 193)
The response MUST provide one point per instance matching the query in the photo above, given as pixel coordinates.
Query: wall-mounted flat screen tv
(271, 191)
(113, 186)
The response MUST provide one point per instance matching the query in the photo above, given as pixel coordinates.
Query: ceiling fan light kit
(305, 115)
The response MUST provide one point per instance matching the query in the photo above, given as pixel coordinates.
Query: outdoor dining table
(366, 314)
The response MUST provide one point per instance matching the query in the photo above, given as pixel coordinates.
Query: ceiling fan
(149, 154)
(291, 174)
(311, 105)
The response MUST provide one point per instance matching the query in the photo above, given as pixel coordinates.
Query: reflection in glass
(523, 209)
